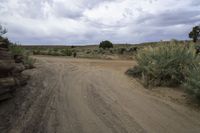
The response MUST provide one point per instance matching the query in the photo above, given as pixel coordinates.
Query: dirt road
(95, 96)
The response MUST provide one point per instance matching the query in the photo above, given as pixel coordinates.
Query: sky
(79, 22)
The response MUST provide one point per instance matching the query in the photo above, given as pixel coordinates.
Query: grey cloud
(170, 18)
(53, 22)
(93, 3)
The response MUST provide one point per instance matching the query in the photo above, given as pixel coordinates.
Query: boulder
(6, 65)
(5, 55)
(18, 58)
(10, 71)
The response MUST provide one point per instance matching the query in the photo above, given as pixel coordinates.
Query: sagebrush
(192, 83)
(166, 64)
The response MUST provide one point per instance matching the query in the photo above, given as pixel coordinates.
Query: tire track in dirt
(94, 96)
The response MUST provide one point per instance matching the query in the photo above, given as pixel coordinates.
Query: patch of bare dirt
(94, 96)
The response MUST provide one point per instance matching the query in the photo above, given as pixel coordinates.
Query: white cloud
(86, 21)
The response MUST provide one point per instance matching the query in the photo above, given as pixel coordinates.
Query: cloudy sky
(91, 21)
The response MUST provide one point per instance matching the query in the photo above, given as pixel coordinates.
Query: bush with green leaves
(133, 49)
(192, 83)
(29, 62)
(17, 50)
(121, 50)
(106, 44)
(166, 64)
(36, 52)
(66, 52)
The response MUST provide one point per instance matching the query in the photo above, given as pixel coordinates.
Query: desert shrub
(135, 71)
(106, 44)
(66, 52)
(165, 64)
(121, 50)
(74, 54)
(88, 51)
(36, 52)
(29, 62)
(101, 51)
(95, 50)
(197, 47)
(192, 83)
(42, 52)
(73, 46)
(16, 50)
(50, 52)
(133, 49)
(55, 50)
(174, 41)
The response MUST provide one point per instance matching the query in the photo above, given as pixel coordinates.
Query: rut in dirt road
(94, 96)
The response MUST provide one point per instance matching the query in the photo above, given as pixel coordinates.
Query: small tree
(195, 33)
(106, 44)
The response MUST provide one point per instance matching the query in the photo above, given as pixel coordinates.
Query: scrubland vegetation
(18, 52)
(169, 65)
(94, 51)
(164, 63)
(172, 64)
(13, 61)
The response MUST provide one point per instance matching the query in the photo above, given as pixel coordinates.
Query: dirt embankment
(94, 96)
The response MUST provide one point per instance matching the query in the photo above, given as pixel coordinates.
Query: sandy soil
(95, 96)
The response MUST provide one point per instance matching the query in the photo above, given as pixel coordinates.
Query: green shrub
(52, 52)
(106, 44)
(19, 51)
(55, 50)
(16, 50)
(74, 54)
(66, 52)
(192, 83)
(135, 71)
(165, 64)
(88, 52)
(133, 49)
(121, 50)
(36, 52)
(29, 62)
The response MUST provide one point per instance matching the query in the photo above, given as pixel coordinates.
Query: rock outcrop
(10, 71)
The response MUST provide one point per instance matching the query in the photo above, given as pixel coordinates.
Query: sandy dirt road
(95, 96)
